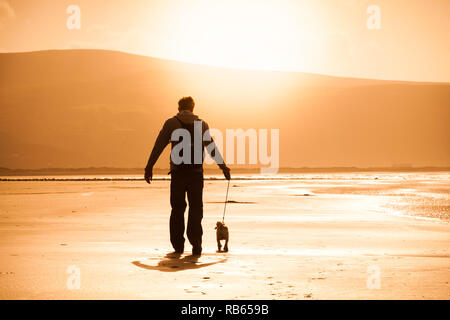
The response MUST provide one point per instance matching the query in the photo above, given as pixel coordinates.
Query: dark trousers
(190, 182)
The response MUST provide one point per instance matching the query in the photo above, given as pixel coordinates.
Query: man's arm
(214, 152)
(161, 142)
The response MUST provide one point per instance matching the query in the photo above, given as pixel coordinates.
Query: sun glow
(241, 34)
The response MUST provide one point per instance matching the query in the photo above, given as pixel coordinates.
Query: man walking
(186, 169)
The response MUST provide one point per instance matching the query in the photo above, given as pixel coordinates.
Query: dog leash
(226, 200)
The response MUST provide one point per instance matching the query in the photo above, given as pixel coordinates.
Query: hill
(94, 108)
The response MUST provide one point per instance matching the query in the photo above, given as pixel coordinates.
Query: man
(186, 169)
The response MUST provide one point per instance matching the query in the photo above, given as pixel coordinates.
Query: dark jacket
(165, 134)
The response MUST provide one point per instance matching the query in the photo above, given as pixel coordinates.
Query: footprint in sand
(321, 276)
(195, 292)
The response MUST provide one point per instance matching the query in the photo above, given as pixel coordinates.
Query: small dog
(222, 234)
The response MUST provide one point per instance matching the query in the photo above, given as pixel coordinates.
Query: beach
(316, 236)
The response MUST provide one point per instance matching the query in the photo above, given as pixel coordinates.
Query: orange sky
(322, 36)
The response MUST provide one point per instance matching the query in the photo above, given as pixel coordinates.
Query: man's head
(186, 103)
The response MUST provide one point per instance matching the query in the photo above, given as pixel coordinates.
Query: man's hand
(226, 172)
(148, 174)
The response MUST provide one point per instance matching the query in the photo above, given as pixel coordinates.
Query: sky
(393, 39)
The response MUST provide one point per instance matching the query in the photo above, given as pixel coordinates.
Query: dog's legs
(226, 245)
(219, 245)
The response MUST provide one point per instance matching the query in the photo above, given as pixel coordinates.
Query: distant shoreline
(164, 171)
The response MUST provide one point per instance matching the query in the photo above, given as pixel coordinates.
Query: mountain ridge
(82, 108)
(53, 51)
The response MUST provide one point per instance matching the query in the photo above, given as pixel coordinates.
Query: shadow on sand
(172, 263)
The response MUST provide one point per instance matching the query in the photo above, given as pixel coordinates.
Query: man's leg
(178, 203)
(195, 198)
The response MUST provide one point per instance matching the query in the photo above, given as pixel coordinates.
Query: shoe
(174, 255)
(197, 250)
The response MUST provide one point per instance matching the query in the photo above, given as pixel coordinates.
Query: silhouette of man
(186, 170)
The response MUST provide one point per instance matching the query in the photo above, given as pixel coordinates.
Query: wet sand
(305, 239)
